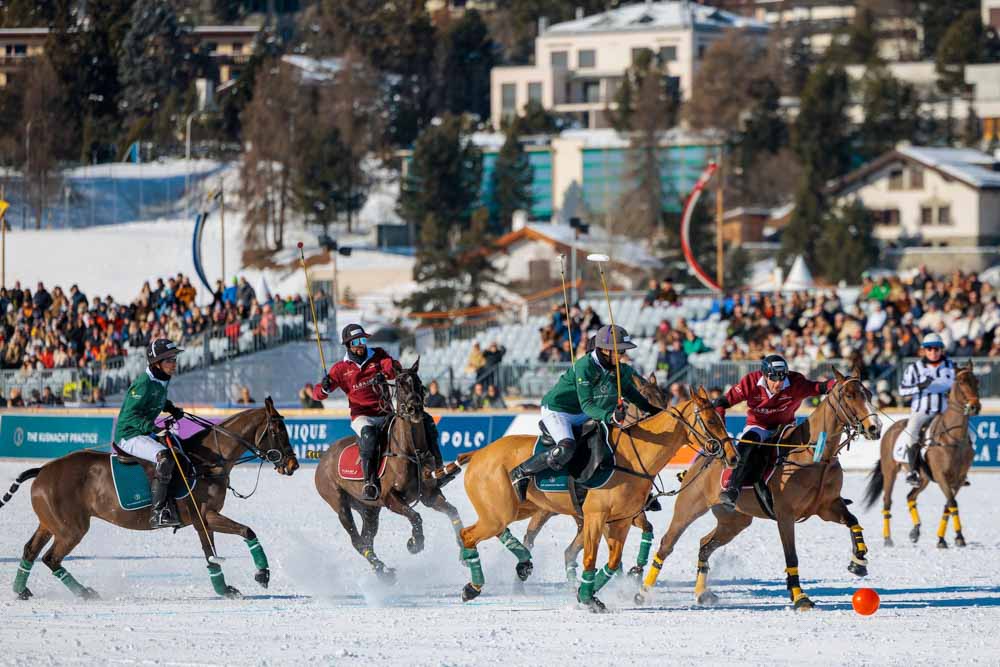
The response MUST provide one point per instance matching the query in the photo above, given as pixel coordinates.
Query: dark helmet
(774, 367)
(605, 339)
(160, 350)
(352, 332)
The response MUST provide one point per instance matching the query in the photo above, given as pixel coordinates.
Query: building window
(237, 47)
(916, 179)
(926, 215)
(667, 54)
(558, 59)
(701, 51)
(591, 91)
(20, 50)
(944, 215)
(639, 53)
(896, 179)
(535, 92)
(508, 97)
(586, 58)
(886, 217)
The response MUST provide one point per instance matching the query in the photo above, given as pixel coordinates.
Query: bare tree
(42, 130)
(720, 93)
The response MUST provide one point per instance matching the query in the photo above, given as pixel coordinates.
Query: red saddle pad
(769, 468)
(349, 464)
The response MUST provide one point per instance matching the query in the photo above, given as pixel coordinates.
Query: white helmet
(932, 340)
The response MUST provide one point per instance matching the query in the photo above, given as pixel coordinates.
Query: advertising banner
(49, 437)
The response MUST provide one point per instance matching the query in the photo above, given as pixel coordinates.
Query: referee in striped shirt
(928, 382)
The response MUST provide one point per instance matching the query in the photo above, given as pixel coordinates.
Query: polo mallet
(312, 307)
(600, 260)
(215, 559)
(569, 320)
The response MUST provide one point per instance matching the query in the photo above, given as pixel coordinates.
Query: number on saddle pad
(559, 482)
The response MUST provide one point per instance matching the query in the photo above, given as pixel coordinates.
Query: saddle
(763, 463)
(132, 478)
(349, 461)
(592, 464)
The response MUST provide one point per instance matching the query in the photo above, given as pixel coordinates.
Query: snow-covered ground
(938, 606)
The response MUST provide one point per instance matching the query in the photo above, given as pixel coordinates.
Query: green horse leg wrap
(21, 578)
(471, 558)
(604, 576)
(586, 591)
(644, 544)
(75, 587)
(257, 551)
(514, 546)
(218, 579)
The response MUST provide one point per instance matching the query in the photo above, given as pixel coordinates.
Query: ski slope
(938, 606)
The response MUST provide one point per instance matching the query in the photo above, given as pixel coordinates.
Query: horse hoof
(26, 594)
(595, 606)
(804, 604)
(959, 540)
(635, 572)
(386, 575)
(524, 570)
(232, 593)
(915, 534)
(89, 594)
(263, 577)
(471, 592)
(414, 545)
(889, 542)
(857, 569)
(639, 599)
(571, 578)
(708, 599)
(941, 543)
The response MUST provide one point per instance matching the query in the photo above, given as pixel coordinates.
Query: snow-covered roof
(621, 249)
(314, 69)
(646, 16)
(966, 164)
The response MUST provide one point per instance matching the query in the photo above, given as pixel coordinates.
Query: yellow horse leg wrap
(859, 540)
(886, 515)
(654, 572)
(914, 514)
(943, 525)
(956, 522)
(797, 594)
(701, 582)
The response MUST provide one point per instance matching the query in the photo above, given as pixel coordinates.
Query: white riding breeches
(143, 447)
(915, 422)
(560, 424)
(361, 421)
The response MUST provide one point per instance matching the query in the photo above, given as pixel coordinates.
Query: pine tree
(800, 63)
(536, 119)
(512, 179)
(822, 130)
(862, 38)
(468, 59)
(937, 16)
(737, 267)
(972, 130)
(962, 44)
(847, 246)
(321, 183)
(891, 113)
(801, 233)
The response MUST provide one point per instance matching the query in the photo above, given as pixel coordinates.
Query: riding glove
(173, 410)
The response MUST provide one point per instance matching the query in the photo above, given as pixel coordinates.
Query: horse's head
(707, 428)
(852, 403)
(271, 441)
(409, 393)
(651, 391)
(966, 390)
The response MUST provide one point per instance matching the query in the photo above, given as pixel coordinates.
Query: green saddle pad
(552, 482)
(132, 485)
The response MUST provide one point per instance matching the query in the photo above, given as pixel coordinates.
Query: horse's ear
(269, 404)
(968, 364)
(652, 379)
(415, 366)
(838, 375)
(396, 366)
(702, 393)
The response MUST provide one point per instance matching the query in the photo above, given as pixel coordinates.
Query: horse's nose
(875, 430)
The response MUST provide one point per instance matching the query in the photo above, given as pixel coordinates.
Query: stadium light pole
(187, 161)
(335, 249)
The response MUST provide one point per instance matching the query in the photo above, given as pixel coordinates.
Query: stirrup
(370, 491)
(163, 518)
(913, 478)
(730, 497)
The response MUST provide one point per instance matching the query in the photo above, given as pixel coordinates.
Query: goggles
(359, 342)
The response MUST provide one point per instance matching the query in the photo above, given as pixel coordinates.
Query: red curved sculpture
(689, 205)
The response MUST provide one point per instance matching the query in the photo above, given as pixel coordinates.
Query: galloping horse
(403, 482)
(947, 460)
(641, 452)
(801, 488)
(71, 490)
(658, 398)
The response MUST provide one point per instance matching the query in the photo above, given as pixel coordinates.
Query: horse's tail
(465, 457)
(876, 482)
(452, 469)
(21, 479)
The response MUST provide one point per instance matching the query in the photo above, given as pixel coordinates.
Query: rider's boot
(731, 494)
(522, 474)
(164, 514)
(913, 459)
(368, 450)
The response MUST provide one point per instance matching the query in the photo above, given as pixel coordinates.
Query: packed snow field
(323, 605)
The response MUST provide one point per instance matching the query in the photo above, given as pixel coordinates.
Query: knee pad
(164, 466)
(559, 456)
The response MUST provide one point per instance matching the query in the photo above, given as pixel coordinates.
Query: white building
(579, 64)
(991, 13)
(929, 196)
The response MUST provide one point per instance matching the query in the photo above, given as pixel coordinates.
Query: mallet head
(299, 244)
(597, 257)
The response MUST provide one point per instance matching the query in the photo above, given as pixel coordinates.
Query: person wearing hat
(588, 390)
(927, 381)
(357, 375)
(145, 399)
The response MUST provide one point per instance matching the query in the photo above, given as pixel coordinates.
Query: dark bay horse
(801, 488)
(68, 492)
(404, 482)
(947, 460)
(642, 450)
(653, 393)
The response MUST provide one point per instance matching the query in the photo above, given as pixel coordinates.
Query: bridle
(969, 407)
(708, 444)
(852, 423)
(391, 403)
(272, 454)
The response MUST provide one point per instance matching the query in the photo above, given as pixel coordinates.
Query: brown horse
(403, 483)
(801, 488)
(71, 490)
(641, 452)
(947, 460)
(653, 393)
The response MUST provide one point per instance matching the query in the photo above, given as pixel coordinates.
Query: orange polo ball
(865, 601)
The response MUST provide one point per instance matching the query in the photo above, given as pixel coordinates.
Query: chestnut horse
(659, 399)
(404, 482)
(71, 490)
(641, 451)
(801, 488)
(947, 460)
